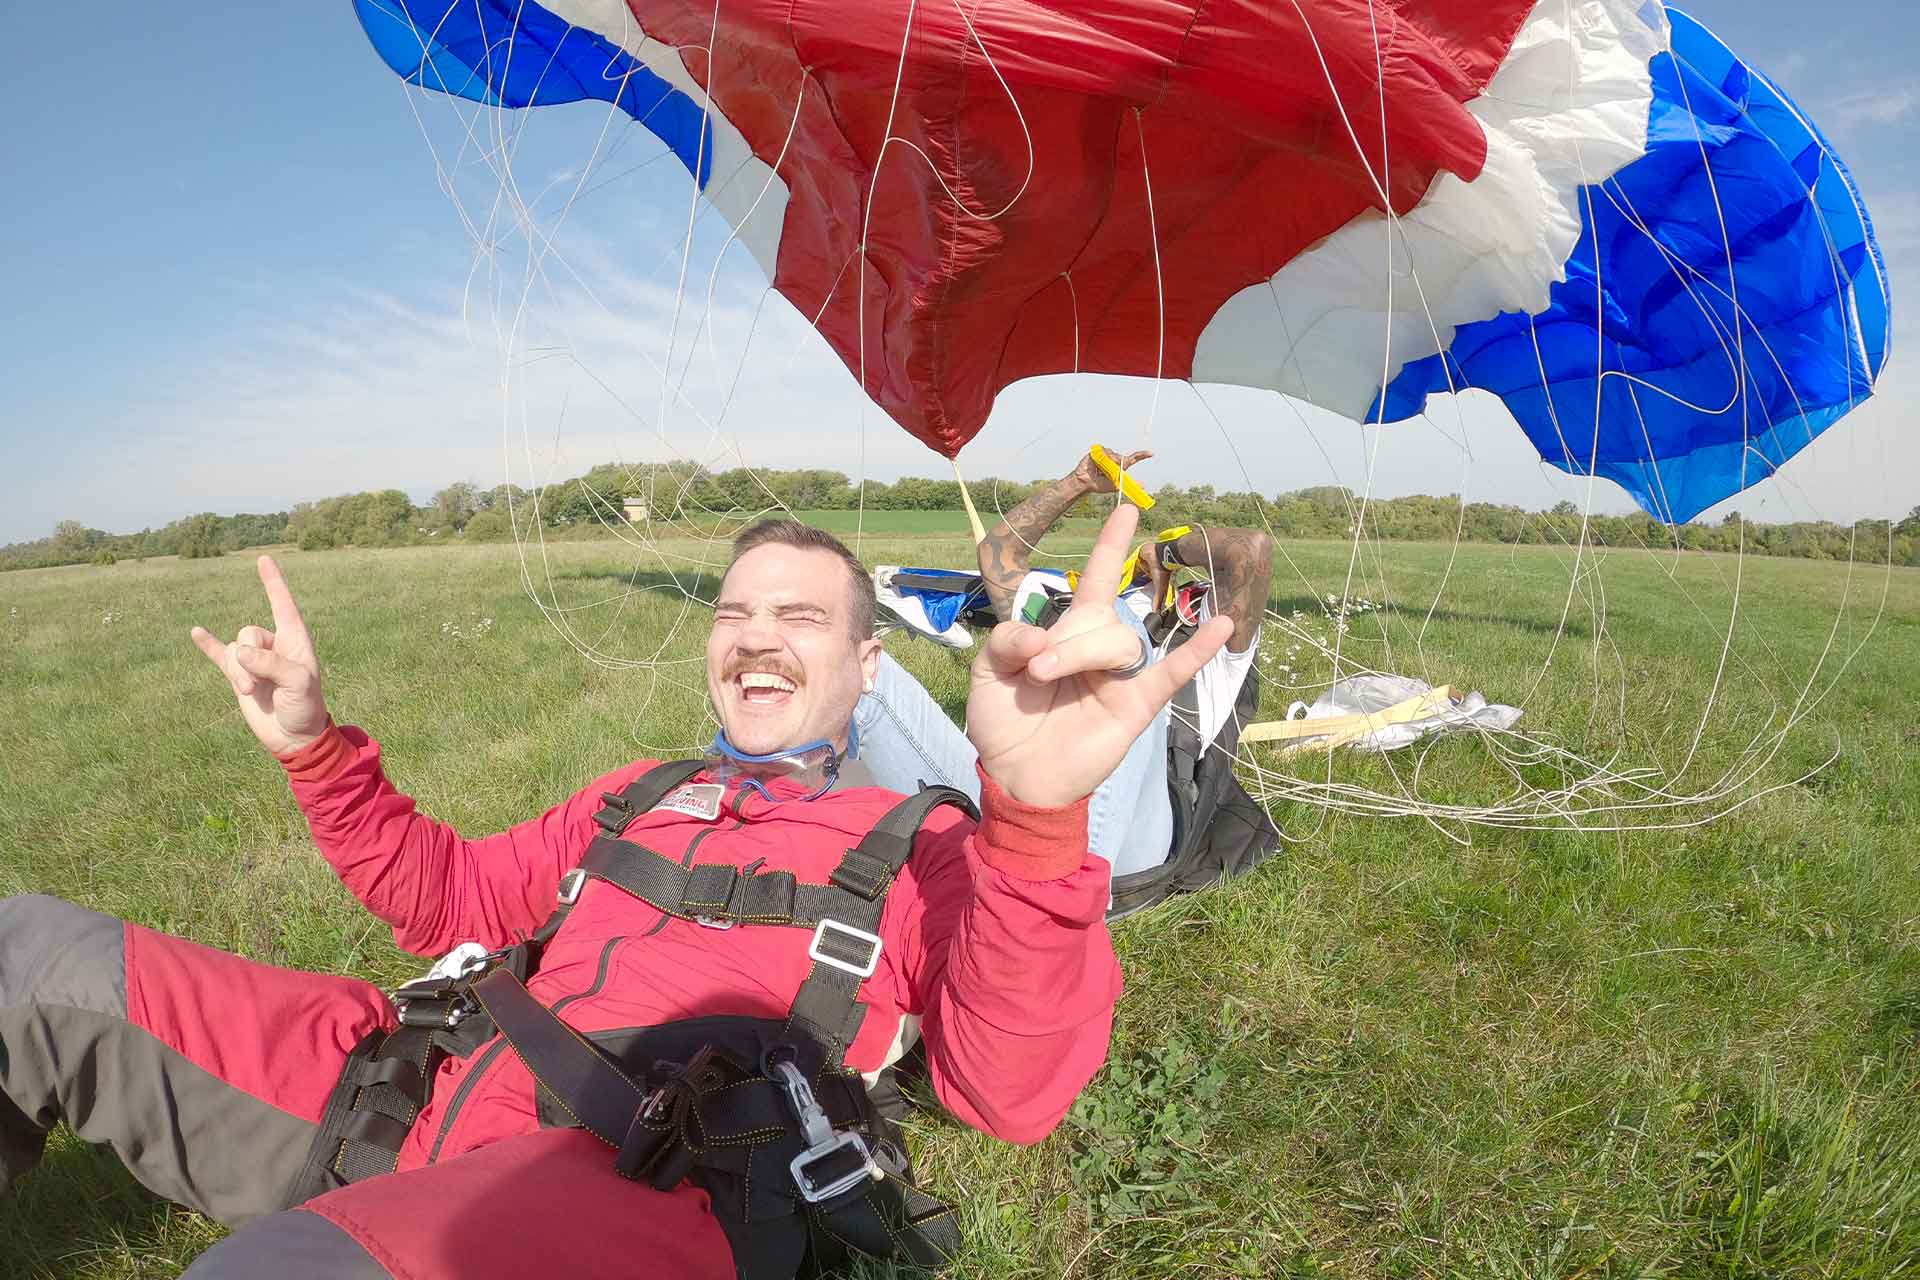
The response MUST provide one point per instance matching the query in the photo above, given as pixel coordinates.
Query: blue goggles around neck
(815, 765)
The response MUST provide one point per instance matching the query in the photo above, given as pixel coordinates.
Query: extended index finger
(1100, 580)
(286, 614)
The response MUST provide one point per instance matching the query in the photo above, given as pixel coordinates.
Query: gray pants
(69, 1054)
(104, 1027)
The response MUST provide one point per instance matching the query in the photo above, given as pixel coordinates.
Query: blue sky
(233, 280)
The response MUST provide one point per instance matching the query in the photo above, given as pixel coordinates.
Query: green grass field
(1401, 1049)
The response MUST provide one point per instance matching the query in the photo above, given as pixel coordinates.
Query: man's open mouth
(764, 688)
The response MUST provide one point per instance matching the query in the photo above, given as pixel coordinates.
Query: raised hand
(1047, 711)
(275, 674)
(1090, 474)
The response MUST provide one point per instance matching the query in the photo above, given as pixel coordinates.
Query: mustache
(784, 670)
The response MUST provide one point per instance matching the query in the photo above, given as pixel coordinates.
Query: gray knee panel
(295, 1245)
(55, 953)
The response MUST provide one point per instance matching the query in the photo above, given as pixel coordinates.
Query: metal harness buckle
(822, 1142)
(859, 971)
(570, 886)
(444, 998)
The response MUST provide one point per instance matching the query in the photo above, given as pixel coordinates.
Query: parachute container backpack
(1219, 831)
(802, 1169)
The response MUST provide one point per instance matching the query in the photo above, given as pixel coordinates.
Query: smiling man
(650, 1059)
(779, 670)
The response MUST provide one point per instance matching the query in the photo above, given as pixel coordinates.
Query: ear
(869, 653)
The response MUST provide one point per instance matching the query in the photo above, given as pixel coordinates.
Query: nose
(757, 634)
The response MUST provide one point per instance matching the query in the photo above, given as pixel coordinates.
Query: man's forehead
(794, 576)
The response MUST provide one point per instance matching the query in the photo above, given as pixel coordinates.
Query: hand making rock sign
(275, 674)
(1053, 711)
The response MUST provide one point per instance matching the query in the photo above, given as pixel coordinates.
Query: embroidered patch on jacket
(696, 799)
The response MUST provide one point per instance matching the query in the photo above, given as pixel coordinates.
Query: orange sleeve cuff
(1029, 841)
(320, 759)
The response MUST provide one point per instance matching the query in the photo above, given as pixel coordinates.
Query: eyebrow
(779, 610)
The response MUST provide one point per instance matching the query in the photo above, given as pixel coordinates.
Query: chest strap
(844, 913)
(617, 810)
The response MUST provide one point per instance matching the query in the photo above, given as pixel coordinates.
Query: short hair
(792, 533)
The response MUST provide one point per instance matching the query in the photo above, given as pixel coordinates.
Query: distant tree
(71, 538)
(383, 519)
(453, 506)
(200, 537)
(488, 526)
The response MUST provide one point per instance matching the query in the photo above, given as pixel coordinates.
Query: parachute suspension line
(1073, 307)
(1027, 133)
(966, 500)
(1746, 435)
(1381, 188)
(1378, 179)
(733, 234)
(693, 209)
(1429, 315)
(1073, 301)
(866, 227)
(556, 614)
(1159, 290)
(537, 254)
(1383, 183)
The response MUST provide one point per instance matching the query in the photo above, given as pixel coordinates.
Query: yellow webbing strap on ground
(1338, 731)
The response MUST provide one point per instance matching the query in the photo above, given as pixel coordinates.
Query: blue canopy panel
(1644, 368)
(513, 53)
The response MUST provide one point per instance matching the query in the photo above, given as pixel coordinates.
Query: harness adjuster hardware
(816, 951)
(570, 886)
(823, 1143)
(434, 1013)
(615, 814)
(444, 998)
(714, 922)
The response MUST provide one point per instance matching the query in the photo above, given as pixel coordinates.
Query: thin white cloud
(1881, 105)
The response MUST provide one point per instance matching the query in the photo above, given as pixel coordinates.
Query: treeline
(680, 494)
(1332, 512)
(193, 537)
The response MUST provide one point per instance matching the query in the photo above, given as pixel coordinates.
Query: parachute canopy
(1633, 238)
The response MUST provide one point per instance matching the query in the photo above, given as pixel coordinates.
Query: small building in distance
(635, 510)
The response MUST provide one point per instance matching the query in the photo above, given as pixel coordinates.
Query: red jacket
(992, 937)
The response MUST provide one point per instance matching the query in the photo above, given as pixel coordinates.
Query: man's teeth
(765, 680)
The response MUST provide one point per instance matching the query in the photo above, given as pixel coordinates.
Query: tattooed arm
(1240, 562)
(1006, 549)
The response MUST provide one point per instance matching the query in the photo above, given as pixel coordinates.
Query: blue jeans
(906, 739)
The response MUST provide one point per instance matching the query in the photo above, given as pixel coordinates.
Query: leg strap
(387, 1080)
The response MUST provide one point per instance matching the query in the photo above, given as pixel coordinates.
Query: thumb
(269, 666)
(1009, 647)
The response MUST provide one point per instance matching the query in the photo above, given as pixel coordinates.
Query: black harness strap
(709, 1116)
(713, 1113)
(844, 913)
(846, 944)
(591, 1089)
(617, 811)
(387, 1080)
(709, 892)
